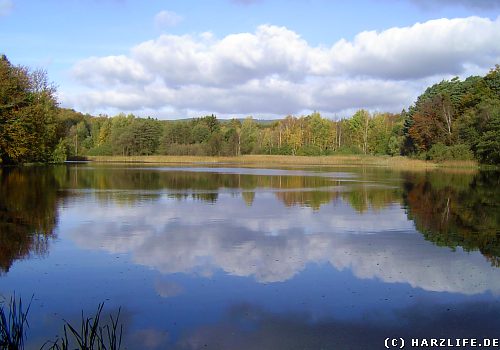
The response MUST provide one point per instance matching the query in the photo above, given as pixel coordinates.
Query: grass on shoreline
(338, 160)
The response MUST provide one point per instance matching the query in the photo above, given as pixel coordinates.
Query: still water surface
(247, 258)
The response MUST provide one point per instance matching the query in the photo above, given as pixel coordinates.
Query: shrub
(394, 146)
(440, 152)
(59, 155)
(103, 150)
(310, 150)
(349, 150)
(196, 149)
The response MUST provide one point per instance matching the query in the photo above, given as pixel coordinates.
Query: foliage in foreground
(28, 110)
(91, 335)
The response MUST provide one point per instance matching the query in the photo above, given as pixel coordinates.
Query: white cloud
(111, 71)
(6, 7)
(435, 47)
(235, 59)
(165, 19)
(275, 71)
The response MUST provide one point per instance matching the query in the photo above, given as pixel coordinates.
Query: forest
(451, 120)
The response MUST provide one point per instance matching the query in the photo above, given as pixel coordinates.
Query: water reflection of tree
(457, 210)
(128, 185)
(28, 200)
(314, 199)
(156, 179)
(203, 186)
(362, 198)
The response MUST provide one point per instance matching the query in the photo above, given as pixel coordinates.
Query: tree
(291, 135)
(384, 134)
(215, 144)
(457, 117)
(359, 127)
(378, 135)
(488, 147)
(146, 134)
(249, 134)
(77, 135)
(121, 137)
(432, 123)
(212, 123)
(27, 114)
(320, 131)
(232, 138)
(266, 140)
(200, 133)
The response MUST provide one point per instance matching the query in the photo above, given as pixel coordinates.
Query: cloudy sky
(266, 58)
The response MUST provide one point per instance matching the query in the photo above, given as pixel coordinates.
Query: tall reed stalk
(91, 335)
(13, 324)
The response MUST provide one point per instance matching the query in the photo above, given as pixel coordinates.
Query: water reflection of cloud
(167, 289)
(275, 244)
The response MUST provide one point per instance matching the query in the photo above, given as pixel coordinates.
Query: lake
(221, 257)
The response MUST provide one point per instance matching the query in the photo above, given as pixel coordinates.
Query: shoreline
(336, 160)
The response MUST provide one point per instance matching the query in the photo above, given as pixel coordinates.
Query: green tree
(146, 136)
(200, 133)
(249, 134)
(320, 131)
(28, 109)
(215, 144)
(488, 147)
(212, 123)
(393, 146)
(60, 154)
(77, 135)
(290, 135)
(359, 126)
(384, 134)
(232, 138)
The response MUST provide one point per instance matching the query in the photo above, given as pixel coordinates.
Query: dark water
(244, 258)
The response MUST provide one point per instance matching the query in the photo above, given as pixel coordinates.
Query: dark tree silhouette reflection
(457, 210)
(28, 213)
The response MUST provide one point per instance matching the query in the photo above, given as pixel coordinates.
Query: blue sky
(177, 59)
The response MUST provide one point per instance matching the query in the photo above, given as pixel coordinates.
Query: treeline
(209, 136)
(451, 120)
(456, 120)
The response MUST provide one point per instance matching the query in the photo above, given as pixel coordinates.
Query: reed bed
(337, 160)
(13, 324)
(90, 335)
